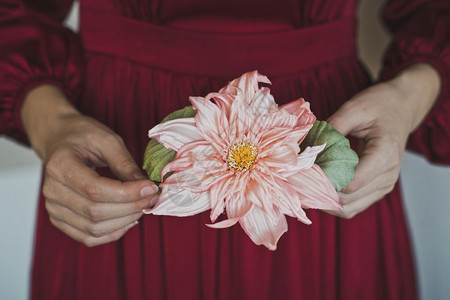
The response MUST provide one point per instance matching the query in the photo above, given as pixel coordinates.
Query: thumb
(121, 162)
(346, 119)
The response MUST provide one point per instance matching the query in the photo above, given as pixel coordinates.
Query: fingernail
(148, 191)
(129, 226)
(139, 175)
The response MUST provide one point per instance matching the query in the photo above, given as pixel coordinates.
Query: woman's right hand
(89, 208)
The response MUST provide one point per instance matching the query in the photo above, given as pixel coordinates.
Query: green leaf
(337, 160)
(156, 156)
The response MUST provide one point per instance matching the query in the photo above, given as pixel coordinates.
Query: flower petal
(237, 206)
(315, 189)
(247, 83)
(263, 102)
(180, 203)
(224, 224)
(287, 200)
(262, 229)
(301, 109)
(195, 149)
(211, 122)
(219, 193)
(305, 160)
(222, 100)
(307, 157)
(175, 133)
(259, 191)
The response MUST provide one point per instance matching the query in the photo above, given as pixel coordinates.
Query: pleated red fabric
(136, 61)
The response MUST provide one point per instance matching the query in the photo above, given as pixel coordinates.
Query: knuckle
(344, 200)
(95, 230)
(89, 242)
(52, 169)
(347, 214)
(46, 190)
(394, 178)
(389, 189)
(49, 208)
(352, 187)
(93, 212)
(53, 221)
(92, 191)
(112, 139)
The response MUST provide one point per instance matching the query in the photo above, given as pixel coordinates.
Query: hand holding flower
(382, 117)
(84, 205)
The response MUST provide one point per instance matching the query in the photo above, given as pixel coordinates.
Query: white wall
(426, 189)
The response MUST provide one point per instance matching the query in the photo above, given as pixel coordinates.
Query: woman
(135, 62)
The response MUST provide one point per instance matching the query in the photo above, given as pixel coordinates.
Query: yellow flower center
(242, 156)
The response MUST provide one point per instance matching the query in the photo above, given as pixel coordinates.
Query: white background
(426, 190)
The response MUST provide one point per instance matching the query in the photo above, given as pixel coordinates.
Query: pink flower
(240, 155)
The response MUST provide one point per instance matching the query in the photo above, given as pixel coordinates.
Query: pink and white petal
(315, 189)
(197, 148)
(180, 203)
(305, 160)
(272, 139)
(240, 119)
(263, 102)
(178, 164)
(237, 206)
(259, 191)
(174, 134)
(222, 100)
(287, 200)
(282, 118)
(300, 108)
(308, 156)
(296, 107)
(262, 229)
(247, 83)
(211, 122)
(219, 193)
(183, 180)
(224, 224)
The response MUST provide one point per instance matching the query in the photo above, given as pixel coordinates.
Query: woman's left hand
(382, 117)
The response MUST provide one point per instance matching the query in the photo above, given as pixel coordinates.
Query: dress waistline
(220, 55)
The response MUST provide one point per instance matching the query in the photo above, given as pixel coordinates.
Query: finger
(96, 229)
(347, 119)
(118, 158)
(352, 209)
(88, 240)
(376, 159)
(383, 181)
(68, 167)
(62, 195)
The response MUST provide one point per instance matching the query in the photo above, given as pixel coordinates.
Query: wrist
(419, 86)
(43, 108)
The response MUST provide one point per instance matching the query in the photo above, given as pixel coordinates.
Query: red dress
(136, 61)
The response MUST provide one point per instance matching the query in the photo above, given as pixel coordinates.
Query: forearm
(419, 86)
(43, 107)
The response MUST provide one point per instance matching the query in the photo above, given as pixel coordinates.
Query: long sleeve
(421, 34)
(35, 49)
